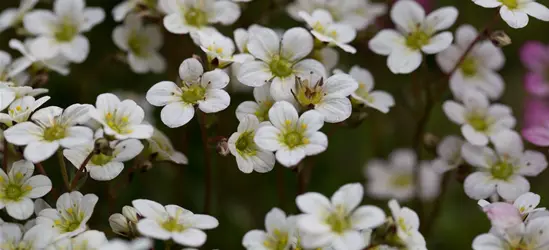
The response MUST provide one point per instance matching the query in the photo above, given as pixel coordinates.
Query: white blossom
(407, 226)
(59, 63)
(12, 17)
(260, 108)
(515, 12)
(123, 9)
(217, 47)
(185, 16)
(532, 236)
(326, 30)
(250, 157)
(278, 234)
(365, 94)
(20, 110)
(160, 146)
(13, 238)
(448, 154)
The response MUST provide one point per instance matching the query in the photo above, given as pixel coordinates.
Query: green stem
(63, 168)
(207, 162)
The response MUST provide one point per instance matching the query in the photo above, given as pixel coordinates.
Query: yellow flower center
(245, 144)
(417, 39)
(402, 180)
(172, 225)
(66, 30)
(101, 159)
(280, 67)
(118, 124)
(511, 4)
(309, 96)
(278, 241)
(502, 170)
(469, 67)
(54, 133)
(262, 112)
(195, 17)
(70, 219)
(137, 44)
(478, 122)
(193, 93)
(338, 220)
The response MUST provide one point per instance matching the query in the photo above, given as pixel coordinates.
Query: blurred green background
(240, 201)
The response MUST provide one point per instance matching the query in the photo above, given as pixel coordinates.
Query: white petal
(438, 43)
(163, 93)
(488, 3)
(41, 185)
(283, 114)
(20, 210)
(39, 22)
(150, 228)
(313, 203)
(275, 220)
(481, 157)
(536, 10)
(263, 43)
(479, 185)
(177, 114)
(190, 237)
(335, 110)
(407, 15)
(367, 217)
(121, 10)
(512, 188)
(39, 151)
(308, 67)
(76, 135)
(267, 138)
(489, 241)
(290, 157)
(215, 101)
(348, 197)
(202, 221)
(246, 108)
(44, 47)
(190, 70)
(174, 23)
(386, 41)
(92, 17)
(527, 202)
(441, 19)
(127, 149)
(77, 50)
(532, 163)
(226, 12)
(150, 209)
(254, 74)
(216, 79)
(341, 85)
(312, 224)
(382, 101)
(515, 19)
(318, 142)
(23, 133)
(349, 240)
(106, 172)
(255, 239)
(296, 44)
(404, 60)
(138, 64)
(454, 111)
(474, 137)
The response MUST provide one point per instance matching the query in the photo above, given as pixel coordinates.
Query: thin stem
(63, 168)
(301, 178)
(81, 170)
(437, 207)
(207, 162)
(40, 168)
(280, 186)
(5, 157)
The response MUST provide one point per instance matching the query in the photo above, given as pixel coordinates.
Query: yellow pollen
(288, 122)
(219, 50)
(303, 126)
(305, 140)
(125, 119)
(18, 108)
(109, 115)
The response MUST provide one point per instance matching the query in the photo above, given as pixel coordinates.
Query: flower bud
(119, 224)
(102, 146)
(502, 215)
(130, 213)
(222, 147)
(500, 38)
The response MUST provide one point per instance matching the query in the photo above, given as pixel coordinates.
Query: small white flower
(121, 10)
(103, 167)
(329, 97)
(121, 119)
(326, 30)
(242, 37)
(526, 204)
(58, 63)
(407, 224)
(218, 47)
(532, 236)
(259, 108)
(479, 120)
(11, 17)
(173, 222)
(49, 129)
(515, 12)
(185, 16)
(18, 187)
(395, 178)
(501, 171)
(89, 240)
(13, 238)
(69, 218)
(136, 244)
(11, 72)
(142, 43)
(337, 222)
(416, 34)
(20, 110)
(278, 234)
(140, 99)
(478, 69)
(449, 154)
(279, 60)
(125, 223)
(365, 94)
(59, 32)
(161, 146)
(197, 88)
(291, 136)
(7, 96)
(249, 156)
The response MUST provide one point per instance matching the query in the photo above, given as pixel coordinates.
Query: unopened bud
(130, 213)
(500, 38)
(222, 147)
(197, 57)
(502, 215)
(430, 140)
(102, 146)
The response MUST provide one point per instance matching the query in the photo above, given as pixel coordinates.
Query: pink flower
(536, 122)
(503, 215)
(535, 56)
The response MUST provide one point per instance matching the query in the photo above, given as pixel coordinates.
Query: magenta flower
(535, 56)
(536, 121)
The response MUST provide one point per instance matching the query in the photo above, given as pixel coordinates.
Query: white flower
(58, 63)
(364, 94)
(49, 129)
(478, 69)
(242, 37)
(125, 223)
(532, 236)
(103, 167)
(11, 17)
(479, 119)
(69, 218)
(59, 31)
(162, 148)
(20, 110)
(501, 171)
(395, 178)
(218, 47)
(329, 97)
(249, 156)
(186, 16)
(10, 71)
(337, 222)
(279, 61)
(449, 154)
(407, 225)
(416, 33)
(13, 238)
(18, 187)
(526, 205)
(259, 108)
(292, 137)
(278, 234)
(136, 244)
(89, 240)
(121, 119)
(140, 99)
(142, 43)
(515, 12)
(197, 88)
(326, 30)
(121, 10)
(173, 222)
